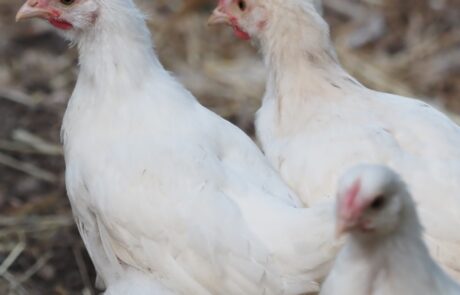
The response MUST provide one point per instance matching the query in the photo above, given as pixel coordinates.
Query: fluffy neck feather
(403, 246)
(117, 64)
(398, 254)
(117, 52)
(300, 57)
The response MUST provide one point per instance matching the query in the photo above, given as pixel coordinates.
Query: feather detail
(317, 121)
(392, 258)
(163, 186)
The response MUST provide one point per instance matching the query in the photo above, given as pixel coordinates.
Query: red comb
(350, 197)
(223, 2)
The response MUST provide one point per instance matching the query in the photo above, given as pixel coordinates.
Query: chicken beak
(30, 10)
(218, 17)
(341, 228)
(345, 224)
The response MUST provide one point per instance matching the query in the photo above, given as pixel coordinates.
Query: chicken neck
(118, 68)
(301, 61)
(117, 53)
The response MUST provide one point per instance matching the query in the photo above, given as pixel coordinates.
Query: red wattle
(60, 24)
(241, 34)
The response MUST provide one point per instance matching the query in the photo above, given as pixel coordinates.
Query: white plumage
(169, 197)
(316, 120)
(136, 282)
(385, 253)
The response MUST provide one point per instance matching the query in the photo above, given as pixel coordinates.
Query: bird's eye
(67, 2)
(378, 203)
(242, 5)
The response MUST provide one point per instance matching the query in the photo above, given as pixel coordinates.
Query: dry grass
(408, 47)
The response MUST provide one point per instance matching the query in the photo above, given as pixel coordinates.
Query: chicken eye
(378, 203)
(242, 5)
(67, 2)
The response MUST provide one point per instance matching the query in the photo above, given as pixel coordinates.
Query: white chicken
(316, 120)
(161, 186)
(385, 253)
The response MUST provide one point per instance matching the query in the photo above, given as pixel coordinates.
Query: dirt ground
(409, 47)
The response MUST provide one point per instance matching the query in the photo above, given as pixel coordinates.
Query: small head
(370, 201)
(249, 18)
(66, 15)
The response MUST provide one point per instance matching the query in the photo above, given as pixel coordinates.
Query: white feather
(137, 283)
(316, 121)
(397, 262)
(164, 186)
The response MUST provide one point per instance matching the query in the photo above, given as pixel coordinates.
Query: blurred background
(408, 47)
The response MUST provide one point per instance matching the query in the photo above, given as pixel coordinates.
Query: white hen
(161, 185)
(316, 120)
(384, 253)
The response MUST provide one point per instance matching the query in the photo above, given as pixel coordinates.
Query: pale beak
(30, 10)
(218, 17)
(345, 225)
(341, 228)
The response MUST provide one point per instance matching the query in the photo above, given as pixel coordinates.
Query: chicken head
(246, 17)
(66, 15)
(370, 201)
(249, 18)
